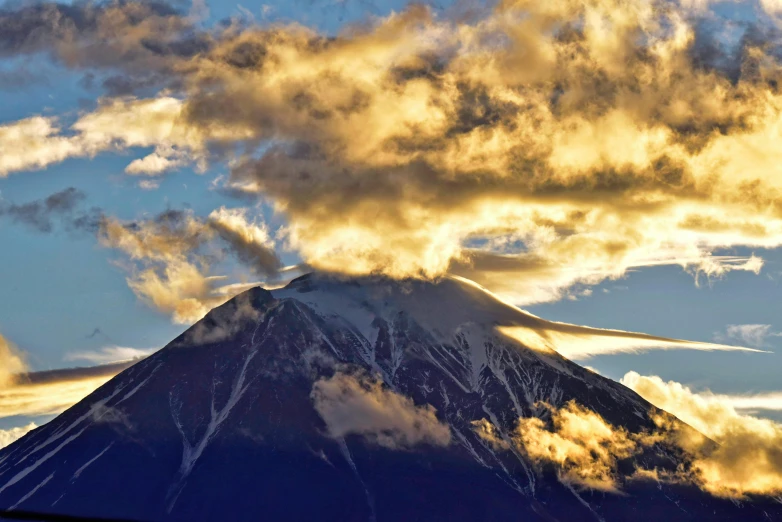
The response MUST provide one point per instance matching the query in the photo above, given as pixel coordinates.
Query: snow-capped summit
(344, 399)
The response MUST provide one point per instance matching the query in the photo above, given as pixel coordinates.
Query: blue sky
(58, 288)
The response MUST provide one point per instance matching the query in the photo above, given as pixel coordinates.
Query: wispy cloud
(771, 401)
(583, 342)
(754, 335)
(30, 394)
(169, 257)
(33, 399)
(109, 354)
(42, 214)
(53, 391)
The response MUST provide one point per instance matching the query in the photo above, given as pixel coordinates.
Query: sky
(612, 164)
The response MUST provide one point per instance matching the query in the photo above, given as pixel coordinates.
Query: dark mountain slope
(222, 423)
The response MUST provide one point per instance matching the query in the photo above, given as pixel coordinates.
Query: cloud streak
(30, 394)
(53, 391)
(583, 342)
(11, 363)
(109, 355)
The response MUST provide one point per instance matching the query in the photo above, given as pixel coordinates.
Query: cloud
(52, 392)
(116, 124)
(24, 393)
(228, 319)
(532, 147)
(33, 143)
(166, 272)
(171, 253)
(585, 450)
(758, 401)
(41, 214)
(583, 342)
(457, 161)
(141, 36)
(250, 241)
(488, 432)
(748, 455)
(9, 436)
(32, 400)
(359, 405)
(582, 445)
(749, 334)
(109, 354)
(11, 363)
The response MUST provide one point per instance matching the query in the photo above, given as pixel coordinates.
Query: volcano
(247, 416)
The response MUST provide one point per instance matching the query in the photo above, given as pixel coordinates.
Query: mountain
(339, 399)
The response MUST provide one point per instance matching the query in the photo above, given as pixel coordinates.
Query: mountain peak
(442, 304)
(343, 399)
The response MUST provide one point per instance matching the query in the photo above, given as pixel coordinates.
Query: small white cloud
(109, 354)
(149, 184)
(754, 335)
(161, 160)
(361, 405)
(9, 436)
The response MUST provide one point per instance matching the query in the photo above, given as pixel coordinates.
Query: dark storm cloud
(61, 207)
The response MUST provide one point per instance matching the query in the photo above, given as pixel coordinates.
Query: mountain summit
(359, 399)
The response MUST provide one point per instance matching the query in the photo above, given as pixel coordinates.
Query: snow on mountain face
(249, 414)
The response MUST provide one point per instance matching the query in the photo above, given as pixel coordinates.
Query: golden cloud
(581, 444)
(572, 155)
(53, 395)
(730, 455)
(50, 398)
(748, 455)
(532, 148)
(11, 363)
(171, 253)
(30, 394)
